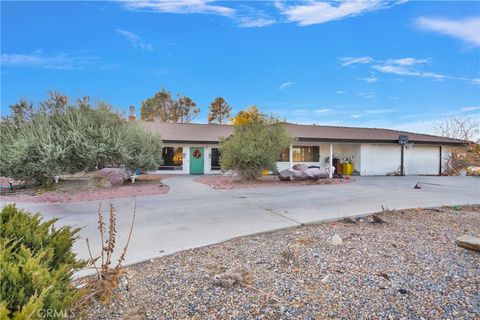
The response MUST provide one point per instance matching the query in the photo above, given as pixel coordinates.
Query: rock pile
(300, 172)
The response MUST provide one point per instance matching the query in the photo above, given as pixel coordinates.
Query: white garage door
(380, 159)
(422, 160)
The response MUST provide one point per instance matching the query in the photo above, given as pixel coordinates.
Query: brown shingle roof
(194, 132)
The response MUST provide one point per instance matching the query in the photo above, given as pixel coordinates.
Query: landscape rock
(300, 167)
(227, 279)
(469, 242)
(336, 240)
(111, 177)
(304, 174)
(377, 219)
(297, 175)
(291, 175)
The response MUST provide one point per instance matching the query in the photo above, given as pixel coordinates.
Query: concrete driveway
(193, 214)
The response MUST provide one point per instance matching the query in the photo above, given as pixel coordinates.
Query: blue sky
(399, 65)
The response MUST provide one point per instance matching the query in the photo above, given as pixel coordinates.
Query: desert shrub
(253, 147)
(36, 266)
(72, 138)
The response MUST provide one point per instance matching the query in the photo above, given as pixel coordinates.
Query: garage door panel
(422, 160)
(380, 159)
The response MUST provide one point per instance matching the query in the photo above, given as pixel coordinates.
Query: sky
(402, 65)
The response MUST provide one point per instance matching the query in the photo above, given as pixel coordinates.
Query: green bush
(36, 266)
(50, 142)
(253, 147)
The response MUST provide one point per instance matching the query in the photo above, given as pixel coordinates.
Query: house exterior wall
(207, 149)
(367, 158)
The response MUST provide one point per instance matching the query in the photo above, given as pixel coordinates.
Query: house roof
(211, 133)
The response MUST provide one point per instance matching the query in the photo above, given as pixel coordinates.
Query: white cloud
(135, 40)
(315, 12)
(252, 22)
(285, 85)
(62, 61)
(180, 6)
(467, 30)
(347, 61)
(404, 71)
(371, 79)
(341, 92)
(323, 110)
(407, 61)
(402, 67)
(368, 95)
(356, 116)
(470, 108)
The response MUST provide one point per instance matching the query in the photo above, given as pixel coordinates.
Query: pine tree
(219, 111)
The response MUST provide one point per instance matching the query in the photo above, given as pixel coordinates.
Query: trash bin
(347, 168)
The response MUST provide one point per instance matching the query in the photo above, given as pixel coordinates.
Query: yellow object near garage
(265, 172)
(347, 168)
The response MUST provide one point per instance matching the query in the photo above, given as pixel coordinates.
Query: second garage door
(422, 160)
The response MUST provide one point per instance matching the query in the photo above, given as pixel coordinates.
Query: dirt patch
(408, 267)
(232, 182)
(83, 190)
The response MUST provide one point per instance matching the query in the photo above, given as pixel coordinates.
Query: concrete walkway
(193, 214)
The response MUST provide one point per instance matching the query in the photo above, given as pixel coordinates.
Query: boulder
(469, 242)
(111, 177)
(284, 175)
(316, 173)
(291, 175)
(297, 175)
(300, 167)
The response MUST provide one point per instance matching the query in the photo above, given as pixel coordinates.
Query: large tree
(77, 137)
(219, 111)
(163, 108)
(158, 107)
(254, 146)
(185, 110)
(252, 113)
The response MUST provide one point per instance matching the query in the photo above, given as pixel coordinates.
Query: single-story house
(192, 148)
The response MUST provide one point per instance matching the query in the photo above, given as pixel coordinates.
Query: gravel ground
(406, 268)
(146, 185)
(230, 182)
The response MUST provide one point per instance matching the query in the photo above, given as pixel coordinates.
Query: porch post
(330, 160)
(290, 157)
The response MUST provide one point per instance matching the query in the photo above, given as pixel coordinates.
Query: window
(172, 158)
(302, 154)
(284, 156)
(215, 159)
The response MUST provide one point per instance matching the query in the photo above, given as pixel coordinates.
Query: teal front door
(196, 160)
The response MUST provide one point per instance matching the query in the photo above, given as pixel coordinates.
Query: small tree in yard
(219, 111)
(254, 147)
(468, 130)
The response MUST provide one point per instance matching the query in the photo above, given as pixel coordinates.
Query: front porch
(321, 154)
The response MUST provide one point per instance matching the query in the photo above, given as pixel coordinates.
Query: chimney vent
(132, 116)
